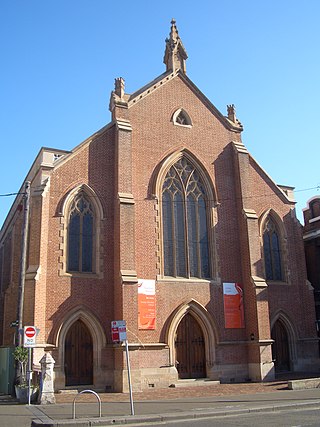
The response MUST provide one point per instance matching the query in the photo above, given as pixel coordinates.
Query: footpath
(152, 406)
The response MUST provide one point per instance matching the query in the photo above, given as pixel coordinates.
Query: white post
(46, 390)
(129, 377)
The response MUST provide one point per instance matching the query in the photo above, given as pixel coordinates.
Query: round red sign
(30, 332)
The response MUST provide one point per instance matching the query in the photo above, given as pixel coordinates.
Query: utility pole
(23, 261)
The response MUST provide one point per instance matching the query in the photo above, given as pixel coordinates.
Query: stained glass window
(81, 235)
(184, 217)
(272, 251)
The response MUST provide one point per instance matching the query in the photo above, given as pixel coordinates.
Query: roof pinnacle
(175, 54)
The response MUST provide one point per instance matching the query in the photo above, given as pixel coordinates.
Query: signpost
(118, 330)
(119, 334)
(29, 341)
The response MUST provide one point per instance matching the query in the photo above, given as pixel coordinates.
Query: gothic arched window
(80, 235)
(182, 118)
(184, 219)
(272, 251)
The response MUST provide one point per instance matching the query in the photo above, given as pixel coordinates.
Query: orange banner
(147, 304)
(233, 305)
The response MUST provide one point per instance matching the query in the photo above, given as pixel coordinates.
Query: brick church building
(163, 219)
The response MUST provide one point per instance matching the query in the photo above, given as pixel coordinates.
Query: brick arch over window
(81, 217)
(186, 202)
(273, 240)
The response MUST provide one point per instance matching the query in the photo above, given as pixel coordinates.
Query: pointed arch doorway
(78, 355)
(190, 349)
(280, 347)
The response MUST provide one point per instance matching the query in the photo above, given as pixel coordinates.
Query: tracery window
(81, 235)
(184, 219)
(272, 251)
(181, 117)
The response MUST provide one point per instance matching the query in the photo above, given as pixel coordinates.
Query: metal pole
(129, 377)
(24, 244)
(29, 373)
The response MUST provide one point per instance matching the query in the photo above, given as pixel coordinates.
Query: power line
(307, 189)
(10, 194)
(140, 200)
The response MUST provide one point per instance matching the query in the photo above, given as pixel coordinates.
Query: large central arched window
(81, 235)
(184, 219)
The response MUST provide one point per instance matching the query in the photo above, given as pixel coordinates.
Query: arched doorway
(190, 349)
(280, 347)
(78, 355)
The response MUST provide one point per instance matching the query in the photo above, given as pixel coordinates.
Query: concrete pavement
(160, 405)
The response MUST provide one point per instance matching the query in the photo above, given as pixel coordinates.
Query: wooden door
(78, 355)
(280, 347)
(190, 349)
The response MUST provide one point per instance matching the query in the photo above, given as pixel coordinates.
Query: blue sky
(60, 59)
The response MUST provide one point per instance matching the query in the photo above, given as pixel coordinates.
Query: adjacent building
(311, 239)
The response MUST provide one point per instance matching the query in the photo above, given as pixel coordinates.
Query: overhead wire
(141, 200)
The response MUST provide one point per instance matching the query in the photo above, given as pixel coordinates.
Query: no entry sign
(29, 336)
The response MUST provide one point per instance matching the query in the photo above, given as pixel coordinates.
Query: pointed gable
(174, 59)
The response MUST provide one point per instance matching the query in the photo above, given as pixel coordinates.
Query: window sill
(182, 125)
(277, 282)
(317, 218)
(171, 279)
(81, 275)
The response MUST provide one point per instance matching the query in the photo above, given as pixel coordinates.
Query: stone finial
(117, 96)
(232, 113)
(175, 54)
(119, 87)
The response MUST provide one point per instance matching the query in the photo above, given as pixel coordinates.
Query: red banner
(147, 304)
(233, 305)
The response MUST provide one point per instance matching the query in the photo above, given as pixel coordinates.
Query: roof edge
(168, 76)
(284, 191)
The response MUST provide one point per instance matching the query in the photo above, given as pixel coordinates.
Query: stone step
(79, 389)
(68, 391)
(304, 384)
(195, 383)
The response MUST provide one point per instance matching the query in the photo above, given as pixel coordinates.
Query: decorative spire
(118, 97)
(175, 54)
(232, 113)
(119, 87)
